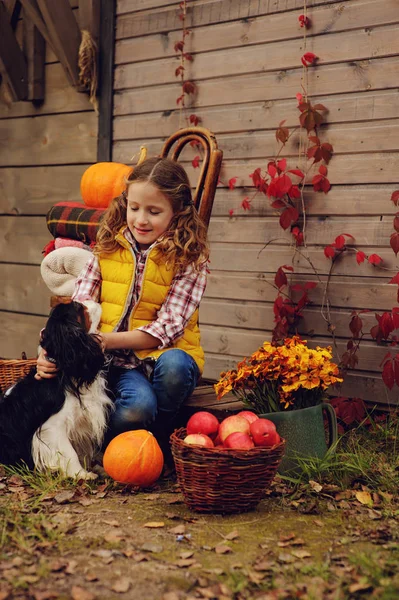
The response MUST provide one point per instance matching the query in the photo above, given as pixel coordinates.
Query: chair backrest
(210, 168)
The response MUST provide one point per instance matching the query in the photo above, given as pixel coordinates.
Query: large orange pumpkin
(102, 182)
(134, 457)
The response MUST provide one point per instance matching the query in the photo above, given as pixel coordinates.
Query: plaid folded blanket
(74, 220)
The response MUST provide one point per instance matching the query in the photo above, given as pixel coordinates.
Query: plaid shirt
(183, 299)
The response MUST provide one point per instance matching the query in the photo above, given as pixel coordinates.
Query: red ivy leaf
(179, 46)
(360, 256)
(395, 279)
(232, 183)
(339, 242)
(288, 216)
(310, 285)
(246, 204)
(189, 87)
(282, 164)
(297, 172)
(374, 259)
(188, 56)
(231, 212)
(323, 170)
(326, 152)
(396, 223)
(179, 70)
(308, 59)
(294, 192)
(280, 278)
(195, 162)
(271, 169)
(355, 325)
(320, 107)
(195, 119)
(394, 242)
(395, 197)
(329, 252)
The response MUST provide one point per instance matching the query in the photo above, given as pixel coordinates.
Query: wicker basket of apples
(226, 467)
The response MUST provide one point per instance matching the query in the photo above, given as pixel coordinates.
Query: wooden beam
(35, 52)
(13, 9)
(32, 11)
(12, 61)
(106, 78)
(64, 33)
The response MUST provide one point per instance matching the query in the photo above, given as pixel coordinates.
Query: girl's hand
(44, 368)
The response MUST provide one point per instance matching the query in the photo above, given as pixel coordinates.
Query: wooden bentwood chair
(210, 169)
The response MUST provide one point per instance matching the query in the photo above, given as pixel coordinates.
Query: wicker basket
(222, 480)
(11, 370)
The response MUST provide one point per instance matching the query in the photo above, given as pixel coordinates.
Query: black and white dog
(59, 423)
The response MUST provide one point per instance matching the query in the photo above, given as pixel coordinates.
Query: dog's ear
(94, 311)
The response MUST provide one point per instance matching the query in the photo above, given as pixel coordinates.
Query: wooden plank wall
(247, 69)
(43, 153)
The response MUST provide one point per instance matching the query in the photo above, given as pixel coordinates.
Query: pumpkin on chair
(134, 458)
(104, 181)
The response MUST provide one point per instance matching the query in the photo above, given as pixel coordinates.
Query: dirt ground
(107, 541)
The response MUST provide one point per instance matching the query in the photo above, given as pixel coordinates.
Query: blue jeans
(144, 404)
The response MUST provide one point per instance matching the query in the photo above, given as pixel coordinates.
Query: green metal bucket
(304, 433)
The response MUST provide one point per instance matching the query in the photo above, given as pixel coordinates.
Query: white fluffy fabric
(61, 267)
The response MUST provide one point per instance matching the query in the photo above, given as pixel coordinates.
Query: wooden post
(35, 51)
(106, 78)
(12, 61)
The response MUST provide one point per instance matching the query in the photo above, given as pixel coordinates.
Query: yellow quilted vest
(117, 273)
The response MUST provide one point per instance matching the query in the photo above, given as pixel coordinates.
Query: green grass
(367, 455)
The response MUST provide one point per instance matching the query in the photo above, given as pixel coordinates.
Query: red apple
(198, 439)
(248, 415)
(217, 441)
(232, 424)
(239, 441)
(264, 433)
(203, 422)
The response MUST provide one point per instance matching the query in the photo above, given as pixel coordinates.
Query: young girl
(148, 272)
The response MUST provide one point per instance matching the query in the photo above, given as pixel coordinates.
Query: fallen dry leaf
(232, 535)
(185, 562)
(301, 553)
(46, 595)
(222, 549)
(114, 536)
(285, 558)
(154, 524)
(122, 585)
(112, 522)
(187, 554)
(316, 487)
(64, 497)
(178, 530)
(71, 566)
(79, 593)
(364, 498)
(149, 547)
(359, 587)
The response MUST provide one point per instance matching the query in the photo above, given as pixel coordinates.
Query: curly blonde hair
(184, 243)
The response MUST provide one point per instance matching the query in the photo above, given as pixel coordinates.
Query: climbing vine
(285, 186)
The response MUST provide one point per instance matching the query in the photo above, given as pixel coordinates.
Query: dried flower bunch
(281, 377)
